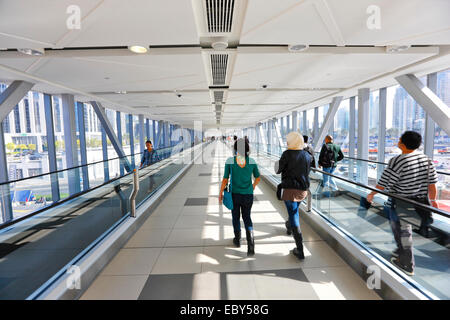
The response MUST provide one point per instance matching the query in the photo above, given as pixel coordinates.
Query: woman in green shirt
(241, 167)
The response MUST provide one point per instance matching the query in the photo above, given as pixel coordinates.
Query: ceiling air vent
(218, 97)
(219, 14)
(219, 63)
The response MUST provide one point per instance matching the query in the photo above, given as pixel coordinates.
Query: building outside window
(17, 119)
(27, 116)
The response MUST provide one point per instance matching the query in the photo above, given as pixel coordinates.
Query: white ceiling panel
(128, 73)
(37, 24)
(161, 99)
(145, 22)
(283, 22)
(412, 22)
(314, 71)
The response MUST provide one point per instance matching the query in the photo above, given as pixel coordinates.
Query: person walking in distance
(241, 168)
(329, 156)
(410, 175)
(150, 155)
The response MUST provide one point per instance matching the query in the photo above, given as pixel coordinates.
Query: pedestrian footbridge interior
(90, 210)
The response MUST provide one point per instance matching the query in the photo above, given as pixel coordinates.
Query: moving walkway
(38, 249)
(369, 230)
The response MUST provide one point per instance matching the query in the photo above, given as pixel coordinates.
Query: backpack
(326, 158)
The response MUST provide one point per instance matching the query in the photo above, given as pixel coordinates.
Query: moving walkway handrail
(76, 167)
(392, 195)
(417, 204)
(372, 161)
(75, 195)
(384, 163)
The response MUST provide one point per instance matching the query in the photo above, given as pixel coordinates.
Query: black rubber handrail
(377, 162)
(76, 167)
(73, 196)
(417, 204)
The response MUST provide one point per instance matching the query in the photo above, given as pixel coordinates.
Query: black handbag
(279, 191)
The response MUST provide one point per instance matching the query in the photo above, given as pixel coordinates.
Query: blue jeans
(242, 203)
(292, 209)
(328, 179)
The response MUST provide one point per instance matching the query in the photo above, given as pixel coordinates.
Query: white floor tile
(115, 288)
(145, 238)
(178, 260)
(339, 283)
(138, 261)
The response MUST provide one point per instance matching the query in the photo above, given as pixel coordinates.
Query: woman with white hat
(294, 166)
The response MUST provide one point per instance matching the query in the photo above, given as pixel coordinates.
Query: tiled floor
(184, 251)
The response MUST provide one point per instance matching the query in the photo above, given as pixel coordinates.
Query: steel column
(141, 133)
(278, 134)
(316, 124)
(147, 129)
(430, 127)
(12, 96)
(429, 101)
(329, 118)
(119, 138)
(105, 155)
(363, 133)
(51, 147)
(305, 123)
(70, 143)
(351, 137)
(83, 151)
(381, 130)
(295, 121)
(7, 211)
(131, 134)
(100, 111)
(155, 143)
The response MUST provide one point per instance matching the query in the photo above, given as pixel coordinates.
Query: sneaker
(406, 269)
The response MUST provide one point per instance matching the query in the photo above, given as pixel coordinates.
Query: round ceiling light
(138, 49)
(297, 47)
(32, 52)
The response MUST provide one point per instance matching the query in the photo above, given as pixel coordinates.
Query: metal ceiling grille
(219, 14)
(218, 96)
(219, 63)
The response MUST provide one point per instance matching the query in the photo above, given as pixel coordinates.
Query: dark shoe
(288, 228)
(250, 243)
(237, 239)
(298, 254)
(423, 231)
(396, 252)
(409, 270)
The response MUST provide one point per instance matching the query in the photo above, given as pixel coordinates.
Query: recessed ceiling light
(394, 49)
(120, 92)
(297, 47)
(138, 49)
(31, 52)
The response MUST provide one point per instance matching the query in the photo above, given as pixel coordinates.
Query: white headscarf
(295, 141)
